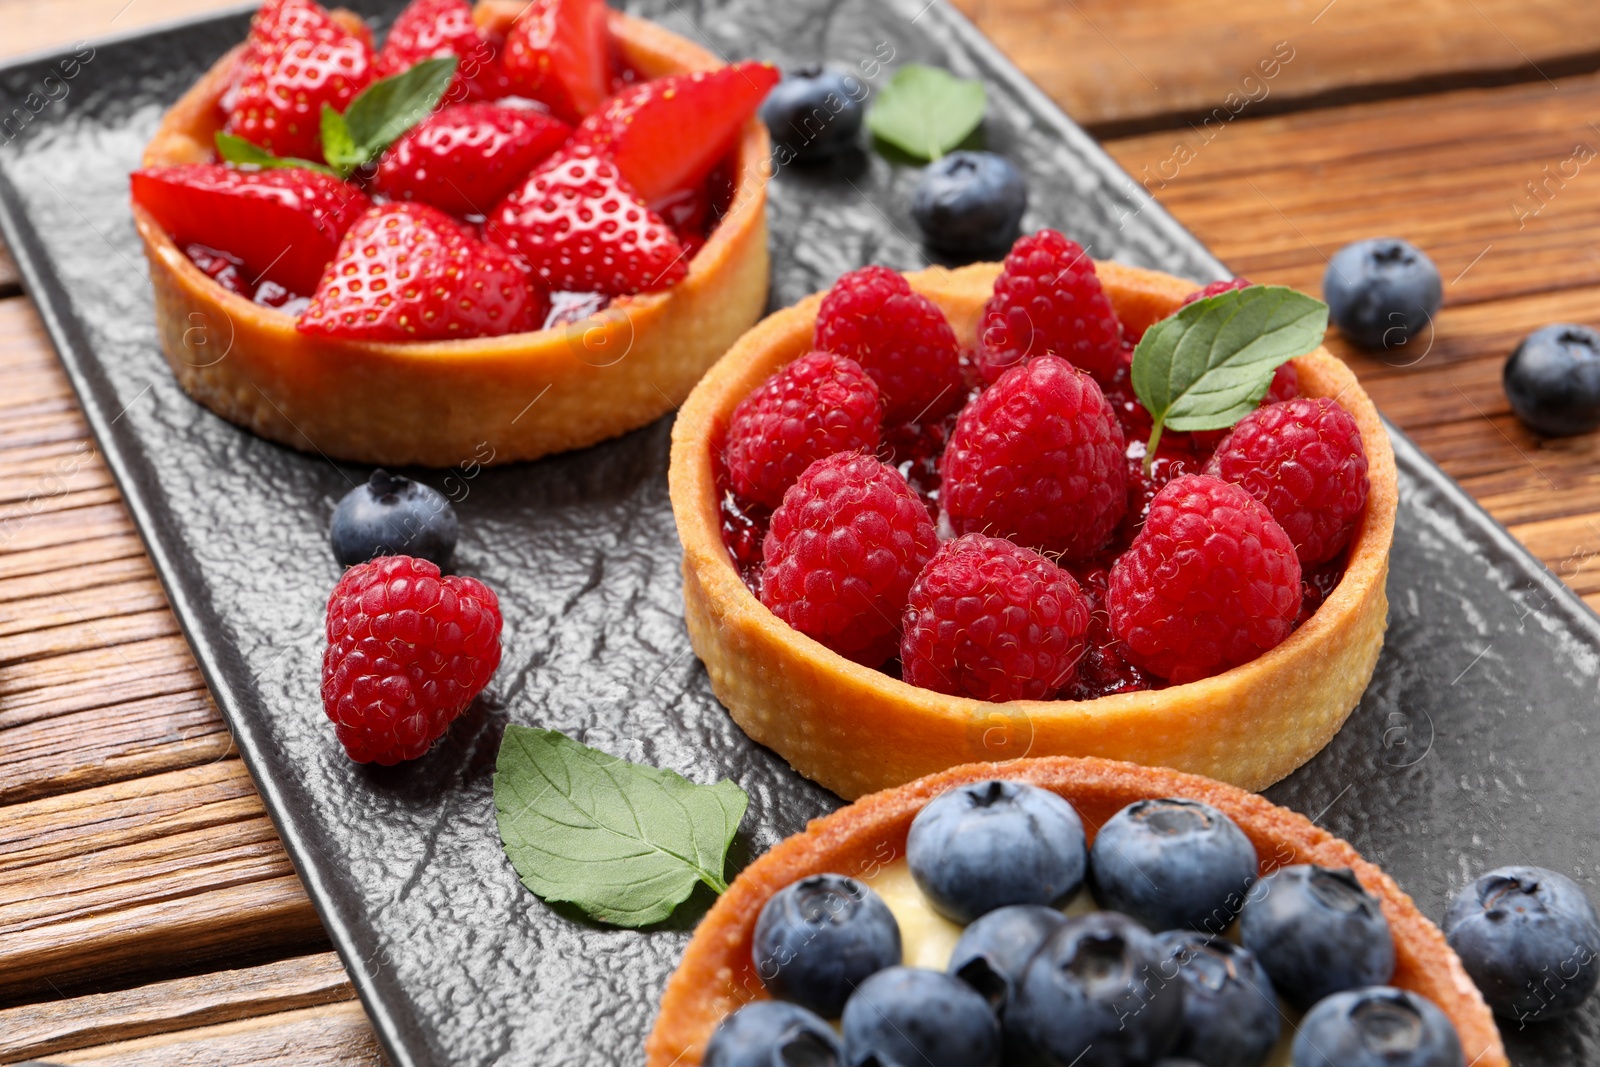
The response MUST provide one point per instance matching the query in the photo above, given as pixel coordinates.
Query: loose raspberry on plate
(841, 553)
(408, 650)
(818, 405)
(464, 159)
(583, 229)
(409, 272)
(900, 337)
(1304, 460)
(1048, 300)
(1038, 457)
(1216, 289)
(992, 620)
(1211, 582)
(559, 53)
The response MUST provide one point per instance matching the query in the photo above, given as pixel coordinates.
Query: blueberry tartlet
(974, 921)
(932, 519)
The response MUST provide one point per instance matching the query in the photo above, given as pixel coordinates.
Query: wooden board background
(148, 914)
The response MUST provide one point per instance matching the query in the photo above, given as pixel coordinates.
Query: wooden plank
(337, 1035)
(55, 1026)
(133, 877)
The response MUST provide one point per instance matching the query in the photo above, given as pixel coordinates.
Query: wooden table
(148, 914)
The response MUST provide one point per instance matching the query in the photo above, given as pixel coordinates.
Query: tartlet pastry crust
(488, 400)
(857, 730)
(716, 975)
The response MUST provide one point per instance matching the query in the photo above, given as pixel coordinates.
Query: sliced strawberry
(409, 272)
(583, 229)
(298, 59)
(559, 53)
(428, 29)
(666, 135)
(463, 159)
(282, 225)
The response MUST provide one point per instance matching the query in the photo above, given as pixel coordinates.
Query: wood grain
(337, 1035)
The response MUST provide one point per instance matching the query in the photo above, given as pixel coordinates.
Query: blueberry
(814, 113)
(1172, 864)
(1381, 292)
(1553, 379)
(1230, 1011)
(1317, 932)
(994, 843)
(1094, 996)
(1377, 1027)
(910, 1017)
(993, 951)
(970, 203)
(819, 938)
(1529, 939)
(772, 1033)
(393, 516)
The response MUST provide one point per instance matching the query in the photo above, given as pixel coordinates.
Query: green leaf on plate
(236, 149)
(926, 111)
(623, 842)
(1208, 365)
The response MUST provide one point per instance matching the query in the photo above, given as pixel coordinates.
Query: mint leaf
(926, 111)
(1208, 365)
(236, 149)
(623, 842)
(338, 147)
(389, 107)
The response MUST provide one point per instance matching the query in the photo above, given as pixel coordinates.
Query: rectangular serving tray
(1472, 748)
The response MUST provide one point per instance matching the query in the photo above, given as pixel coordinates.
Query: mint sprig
(925, 111)
(623, 842)
(1208, 365)
(375, 119)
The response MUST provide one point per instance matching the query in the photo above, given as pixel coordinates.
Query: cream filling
(928, 939)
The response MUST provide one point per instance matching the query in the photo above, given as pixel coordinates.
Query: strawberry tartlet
(510, 230)
(1044, 507)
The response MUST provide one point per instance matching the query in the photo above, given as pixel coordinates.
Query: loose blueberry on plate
(1377, 1027)
(819, 938)
(814, 113)
(1230, 1010)
(970, 203)
(994, 843)
(1529, 939)
(993, 950)
(393, 516)
(1172, 864)
(1317, 932)
(910, 1017)
(1381, 292)
(1094, 996)
(1553, 379)
(773, 1033)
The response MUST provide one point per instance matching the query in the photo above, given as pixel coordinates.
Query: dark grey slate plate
(1471, 749)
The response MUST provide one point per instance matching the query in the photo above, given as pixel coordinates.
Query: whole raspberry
(1304, 460)
(407, 652)
(842, 551)
(1038, 458)
(1216, 289)
(991, 620)
(1048, 299)
(900, 337)
(818, 405)
(1210, 582)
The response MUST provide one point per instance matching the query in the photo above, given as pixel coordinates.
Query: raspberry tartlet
(1216, 607)
(529, 326)
(871, 884)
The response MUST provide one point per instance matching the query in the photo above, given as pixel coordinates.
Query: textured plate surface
(1471, 749)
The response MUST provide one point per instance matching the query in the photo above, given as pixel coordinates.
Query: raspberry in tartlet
(1304, 460)
(820, 404)
(989, 619)
(1048, 301)
(841, 554)
(1212, 581)
(900, 337)
(1038, 458)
